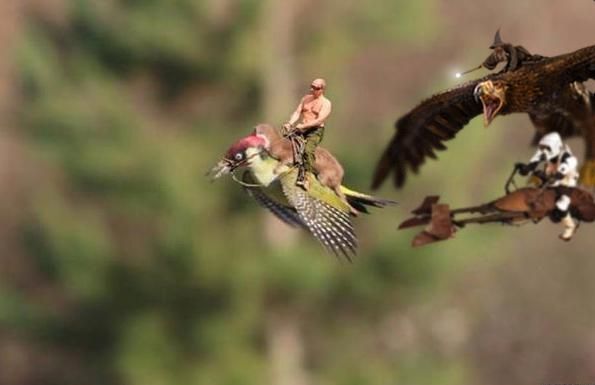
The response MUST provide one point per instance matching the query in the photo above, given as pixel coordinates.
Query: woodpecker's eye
(239, 156)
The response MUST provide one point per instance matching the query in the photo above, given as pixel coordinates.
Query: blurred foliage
(165, 277)
(143, 272)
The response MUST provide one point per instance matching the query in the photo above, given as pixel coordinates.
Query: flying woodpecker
(322, 209)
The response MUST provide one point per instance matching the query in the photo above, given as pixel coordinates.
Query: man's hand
(305, 129)
(523, 168)
(287, 129)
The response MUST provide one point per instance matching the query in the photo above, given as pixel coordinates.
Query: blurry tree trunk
(278, 55)
(221, 12)
(278, 21)
(284, 341)
(9, 32)
(13, 165)
(286, 349)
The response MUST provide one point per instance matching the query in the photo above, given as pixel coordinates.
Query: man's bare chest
(312, 106)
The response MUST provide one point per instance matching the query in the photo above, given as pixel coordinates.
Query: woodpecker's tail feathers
(359, 201)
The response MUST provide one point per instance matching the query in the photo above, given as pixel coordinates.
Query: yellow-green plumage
(327, 217)
(318, 209)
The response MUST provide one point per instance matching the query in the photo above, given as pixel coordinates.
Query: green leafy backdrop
(125, 265)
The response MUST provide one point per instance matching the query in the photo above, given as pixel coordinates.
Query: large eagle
(549, 89)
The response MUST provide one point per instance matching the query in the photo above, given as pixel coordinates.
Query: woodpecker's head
(239, 154)
(492, 94)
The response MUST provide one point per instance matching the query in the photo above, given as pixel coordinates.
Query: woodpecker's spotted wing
(325, 215)
(280, 209)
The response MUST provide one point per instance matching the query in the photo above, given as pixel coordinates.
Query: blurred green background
(122, 264)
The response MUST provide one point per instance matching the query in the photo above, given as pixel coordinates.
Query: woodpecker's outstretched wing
(423, 130)
(278, 207)
(324, 211)
(325, 215)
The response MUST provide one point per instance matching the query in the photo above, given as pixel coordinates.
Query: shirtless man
(313, 110)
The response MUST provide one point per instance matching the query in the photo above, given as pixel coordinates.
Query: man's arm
(539, 156)
(525, 169)
(325, 111)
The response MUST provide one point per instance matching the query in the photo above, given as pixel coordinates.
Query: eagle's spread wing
(553, 122)
(577, 66)
(280, 209)
(328, 222)
(423, 130)
(571, 117)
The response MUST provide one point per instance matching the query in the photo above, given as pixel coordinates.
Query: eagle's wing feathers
(553, 122)
(422, 131)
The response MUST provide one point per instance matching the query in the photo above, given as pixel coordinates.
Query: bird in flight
(549, 89)
(325, 209)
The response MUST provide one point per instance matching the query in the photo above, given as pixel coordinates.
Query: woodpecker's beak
(224, 167)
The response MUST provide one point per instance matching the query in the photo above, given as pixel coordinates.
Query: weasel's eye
(239, 156)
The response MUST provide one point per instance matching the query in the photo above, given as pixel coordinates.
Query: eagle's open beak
(491, 101)
(491, 107)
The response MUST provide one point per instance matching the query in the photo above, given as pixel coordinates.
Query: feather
(548, 89)
(423, 130)
(285, 213)
(329, 224)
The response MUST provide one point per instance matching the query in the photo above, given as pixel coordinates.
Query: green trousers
(313, 139)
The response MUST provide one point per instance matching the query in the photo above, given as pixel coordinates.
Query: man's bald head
(318, 83)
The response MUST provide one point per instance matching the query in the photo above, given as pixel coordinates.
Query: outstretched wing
(577, 66)
(280, 209)
(554, 122)
(423, 130)
(571, 117)
(328, 222)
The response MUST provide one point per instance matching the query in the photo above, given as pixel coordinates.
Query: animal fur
(329, 171)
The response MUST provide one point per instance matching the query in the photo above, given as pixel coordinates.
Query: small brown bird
(549, 89)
